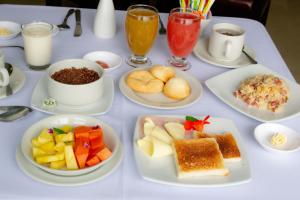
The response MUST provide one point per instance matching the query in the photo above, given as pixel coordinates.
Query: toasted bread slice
(227, 144)
(198, 157)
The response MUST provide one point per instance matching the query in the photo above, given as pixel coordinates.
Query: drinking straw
(196, 4)
(208, 6)
(201, 5)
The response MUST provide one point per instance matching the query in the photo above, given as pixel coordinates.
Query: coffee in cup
(4, 76)
(226, 41)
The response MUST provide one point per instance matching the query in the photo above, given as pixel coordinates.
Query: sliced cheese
(175, 129)
(160, 148)
(161, 134)
(145, 144)
(148, 126)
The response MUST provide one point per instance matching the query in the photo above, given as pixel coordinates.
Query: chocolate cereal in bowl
(75, 82)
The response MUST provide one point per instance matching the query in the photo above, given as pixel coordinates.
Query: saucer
(51, 179)
(200, 51)
(264, 132)
(13, 27)
(111, 59)
(100, 107)
(16, 82)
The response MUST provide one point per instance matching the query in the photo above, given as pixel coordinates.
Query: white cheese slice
(160, 148)
(148, 126)
(145, 144)
(175, 129)
(161, 134)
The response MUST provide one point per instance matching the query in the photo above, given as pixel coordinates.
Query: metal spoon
(252, 60)
(11, 113)
(8, 46)
(10, 69)
(64, 25)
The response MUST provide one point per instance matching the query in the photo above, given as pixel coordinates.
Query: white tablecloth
(273, 176)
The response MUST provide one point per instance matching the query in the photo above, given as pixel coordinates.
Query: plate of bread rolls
(160, 87)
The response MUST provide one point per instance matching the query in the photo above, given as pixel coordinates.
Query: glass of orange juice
(141, 28)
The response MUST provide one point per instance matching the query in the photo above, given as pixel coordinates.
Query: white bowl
(75, 95)
(264, 132)
(113, 60)
(111, 140)
(13, 27)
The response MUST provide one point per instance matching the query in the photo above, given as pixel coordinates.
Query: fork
(162, 29)
(64, 25)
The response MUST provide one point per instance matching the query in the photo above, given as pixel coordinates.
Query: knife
(78, 30)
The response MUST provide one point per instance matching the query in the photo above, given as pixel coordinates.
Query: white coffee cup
(226, 41)
(4, 76)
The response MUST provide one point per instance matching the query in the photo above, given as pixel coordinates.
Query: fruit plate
(225, 84)
(159, 100)
(71, 181)
(111, 139)
(163, 170)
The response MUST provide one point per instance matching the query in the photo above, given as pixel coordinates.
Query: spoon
(10, 69)
(11, 113)
(252, 60)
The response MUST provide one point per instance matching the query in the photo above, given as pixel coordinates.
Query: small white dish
(163, 170)
(16, 82)
(264, 133)
(13, 27)
(201, 52)
(100, 107)
(111, 140)
(42, 176)
(159, 100)
(225, 84)
(111, 59)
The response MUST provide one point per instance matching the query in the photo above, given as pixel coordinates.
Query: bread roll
(177, 88)
(163, 73)
(143, 81)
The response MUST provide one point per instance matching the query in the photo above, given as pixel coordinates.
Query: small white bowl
(13, 27)
(75, 95)
(113, 60)
(264, 132)
(111, 139)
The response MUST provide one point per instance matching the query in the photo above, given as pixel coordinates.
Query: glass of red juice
(183, 32)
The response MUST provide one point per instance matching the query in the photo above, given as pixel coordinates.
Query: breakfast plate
(159, 100)
(111, 61)
(16, 82)
(264, 133)
(51, 179)
(10, 30)
(233, 79)
(162, 170)
(100, 107)
(200, 51)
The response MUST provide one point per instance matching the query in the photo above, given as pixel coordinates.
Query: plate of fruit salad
(69, 145)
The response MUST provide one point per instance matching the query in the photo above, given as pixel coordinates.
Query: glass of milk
(37, 38)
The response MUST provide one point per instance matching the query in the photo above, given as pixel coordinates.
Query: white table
(273, 176)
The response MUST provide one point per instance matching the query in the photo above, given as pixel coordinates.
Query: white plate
(264, 132)
(113, 60)
(225, 84)
(111, 140)
(159, 100)
(13, 27)
(200, 50)
(98, 108)
(51, 179)
(163, 170)
(16, 82)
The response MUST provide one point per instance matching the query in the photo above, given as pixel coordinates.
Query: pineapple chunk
(38, 152)
(35, 142)
(67, 128)
(48, 147)
(70, 157)
(50, 158)
(60, 147)
(58, 164)
(69, 137)
(45, 137)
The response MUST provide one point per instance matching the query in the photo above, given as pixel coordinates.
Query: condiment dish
(12, 27)
(111, 59)
(264, 133)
